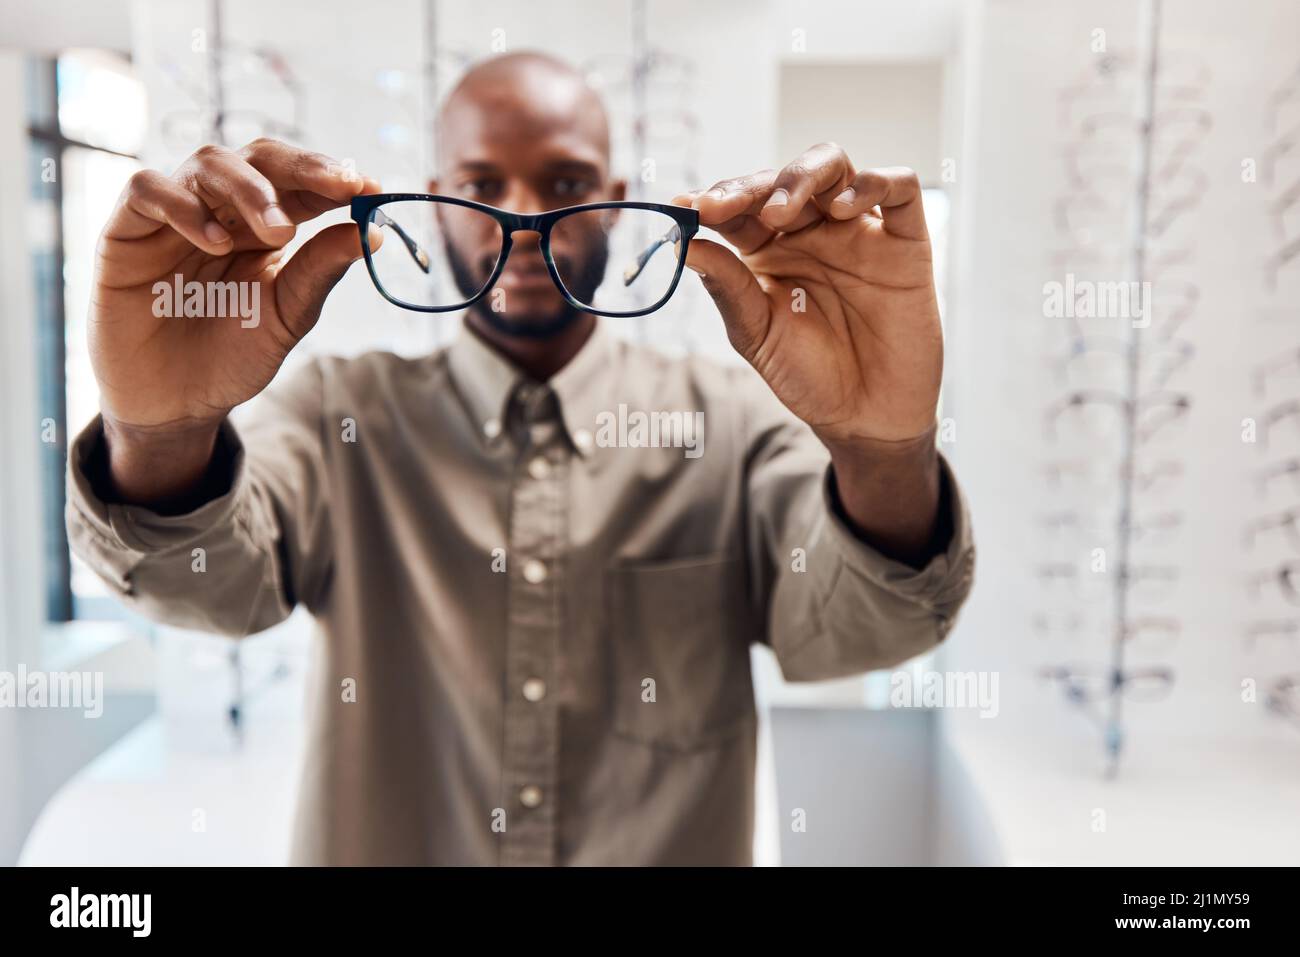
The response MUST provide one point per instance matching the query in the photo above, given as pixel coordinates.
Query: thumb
(307, 278)
(735, 292)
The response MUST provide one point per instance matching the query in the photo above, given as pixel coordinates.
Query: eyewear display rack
(1142, 220)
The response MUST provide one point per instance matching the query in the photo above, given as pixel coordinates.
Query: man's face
(526, 147)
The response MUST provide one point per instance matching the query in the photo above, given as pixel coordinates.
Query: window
(86, 117)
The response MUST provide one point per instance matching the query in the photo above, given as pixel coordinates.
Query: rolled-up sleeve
(833, 605)
(240, 562)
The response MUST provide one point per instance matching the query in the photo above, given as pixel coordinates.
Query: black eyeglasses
(444, 254)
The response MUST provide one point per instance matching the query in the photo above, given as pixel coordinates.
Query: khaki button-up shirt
(535, 602)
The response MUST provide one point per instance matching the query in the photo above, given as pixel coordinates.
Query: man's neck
(537, 358)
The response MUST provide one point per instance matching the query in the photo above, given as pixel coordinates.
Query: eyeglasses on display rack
(1266, 479)
(1184, 75)
(1286, 629)
(1087, 477)
(1147, 582)
(1269, 526)
(1103, 360)
(1152, 631)
(1288, 362)
(1169, 304)
(1156, 528)
(1285, 578)
(1284, 102)
(1085, 685)
(1095, 413)
(1283, 698)
(1287, 411)
(1088, 216)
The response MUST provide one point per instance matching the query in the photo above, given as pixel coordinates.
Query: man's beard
(583, 289)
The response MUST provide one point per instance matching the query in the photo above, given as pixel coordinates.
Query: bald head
(522, 97)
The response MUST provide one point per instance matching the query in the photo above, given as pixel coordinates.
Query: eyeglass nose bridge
(539, 223)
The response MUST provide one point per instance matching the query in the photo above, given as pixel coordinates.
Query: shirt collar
(486, 380)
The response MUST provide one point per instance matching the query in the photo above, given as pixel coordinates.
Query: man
(534, 648)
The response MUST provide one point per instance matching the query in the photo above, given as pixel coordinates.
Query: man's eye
(482, 188)
(572, 188)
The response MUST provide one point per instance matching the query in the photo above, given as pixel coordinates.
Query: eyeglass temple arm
(631, 273)
(419, 255)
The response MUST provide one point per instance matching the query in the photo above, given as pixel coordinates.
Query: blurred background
(1121, 688)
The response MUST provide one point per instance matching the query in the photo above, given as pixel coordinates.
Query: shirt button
(491, 428)
(530, 796)
(534, 689)
(534, 572)
(539, 468)
(582, 439)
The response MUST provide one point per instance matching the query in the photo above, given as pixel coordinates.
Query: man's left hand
(830, 296)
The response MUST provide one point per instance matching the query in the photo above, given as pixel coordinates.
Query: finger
(729, 198)
(746, 232)
(896, 190)
(303, 206)
(722, 205)
(736, 293)
(230, 186)
(303, 283)
(821, 171)
(152, 200)
(289, 168)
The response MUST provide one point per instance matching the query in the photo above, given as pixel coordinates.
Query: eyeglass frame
(1180, 402)
(1074, 679)
(1278, 695)
(363, 209)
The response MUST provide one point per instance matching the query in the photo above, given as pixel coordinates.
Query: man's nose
(521, 198)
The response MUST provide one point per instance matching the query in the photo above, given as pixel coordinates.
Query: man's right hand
(166, 383)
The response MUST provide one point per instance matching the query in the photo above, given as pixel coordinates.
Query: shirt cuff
(114, 538)
(942, 583)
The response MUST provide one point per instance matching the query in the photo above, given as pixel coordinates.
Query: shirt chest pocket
(679, 634)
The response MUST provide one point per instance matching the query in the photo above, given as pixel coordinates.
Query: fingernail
(779, 198)
(215, 234)
(847, 197)
(275, 216)
(716, 194)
